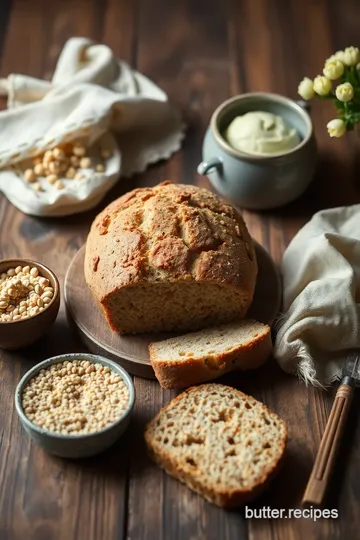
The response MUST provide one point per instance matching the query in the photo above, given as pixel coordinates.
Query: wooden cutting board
(131, 351)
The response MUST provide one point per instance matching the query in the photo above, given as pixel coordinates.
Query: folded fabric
(321, 296)
(91, 94)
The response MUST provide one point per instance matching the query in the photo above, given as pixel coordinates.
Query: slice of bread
(221, 443)
(205, 355)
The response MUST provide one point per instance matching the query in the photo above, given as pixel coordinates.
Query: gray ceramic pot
(253, 181)
(76, 446)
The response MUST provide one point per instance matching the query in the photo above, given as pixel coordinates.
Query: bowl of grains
(75, 405)
(29, 302)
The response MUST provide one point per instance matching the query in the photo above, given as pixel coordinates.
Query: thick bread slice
(208, 354)
(221, 443)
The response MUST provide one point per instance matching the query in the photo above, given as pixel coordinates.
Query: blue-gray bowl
(76, 446)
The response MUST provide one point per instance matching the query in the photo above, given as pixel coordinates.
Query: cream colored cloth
(91, 94)
(321, 302)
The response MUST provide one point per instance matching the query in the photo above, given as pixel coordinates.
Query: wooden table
(200, 52)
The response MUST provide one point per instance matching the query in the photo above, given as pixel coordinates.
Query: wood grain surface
(200, 52)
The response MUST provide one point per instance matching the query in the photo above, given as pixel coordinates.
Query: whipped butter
(261, 133)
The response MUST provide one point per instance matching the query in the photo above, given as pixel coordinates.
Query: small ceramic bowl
(76, 446)
(19, 334)
(259, 181)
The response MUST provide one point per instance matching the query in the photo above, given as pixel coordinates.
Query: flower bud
(322, 85)
(339, 55)
(306, 88)
(344, 92)
(351, 56)
(333, 69)
(336, 128)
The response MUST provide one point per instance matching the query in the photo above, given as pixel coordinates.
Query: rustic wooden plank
(281, 25)
(44, 497)
(193, 69)
(5, 10)
(200, 53)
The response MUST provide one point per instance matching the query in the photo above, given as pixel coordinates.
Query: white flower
(336, 128)
(339, 55)
(351, 56)
(358, 67)
(306, 88)
(344, 92)
(322, 85)
(333, 69)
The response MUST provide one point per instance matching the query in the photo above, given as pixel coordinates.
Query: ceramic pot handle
(304, 105)
(211, 165)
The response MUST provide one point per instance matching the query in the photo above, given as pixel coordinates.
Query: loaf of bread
(224, 445)
(171, 257)
(207, 354)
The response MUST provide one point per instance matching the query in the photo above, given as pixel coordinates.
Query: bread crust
(168, 233)
(183, 373)
(227, 499)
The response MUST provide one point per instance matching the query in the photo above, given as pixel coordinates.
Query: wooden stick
(325, 459)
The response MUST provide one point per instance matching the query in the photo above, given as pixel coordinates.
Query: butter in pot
(261, 133)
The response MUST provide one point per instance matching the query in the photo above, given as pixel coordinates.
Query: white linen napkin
(91, 93)
(321, 296)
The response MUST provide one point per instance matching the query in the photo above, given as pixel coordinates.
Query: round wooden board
(131, 351)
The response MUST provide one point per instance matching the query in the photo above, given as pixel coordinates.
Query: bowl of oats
(29, 302)
(75, 405)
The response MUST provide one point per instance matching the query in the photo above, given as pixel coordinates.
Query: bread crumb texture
(223, 444)
(204, 355)
(171, 257)
(210, 344)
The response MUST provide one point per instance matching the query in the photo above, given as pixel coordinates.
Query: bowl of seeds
(29, 302)
(75, 405)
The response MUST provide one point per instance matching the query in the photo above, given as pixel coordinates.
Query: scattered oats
(85, 163)
(48, 156)
(70, 173)
(29, 176)
(39, 169)
(58, 184)
(51, 178)
(75, 161)
(54, 167)
(59, 154)
(79, 150)
(63, 162)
